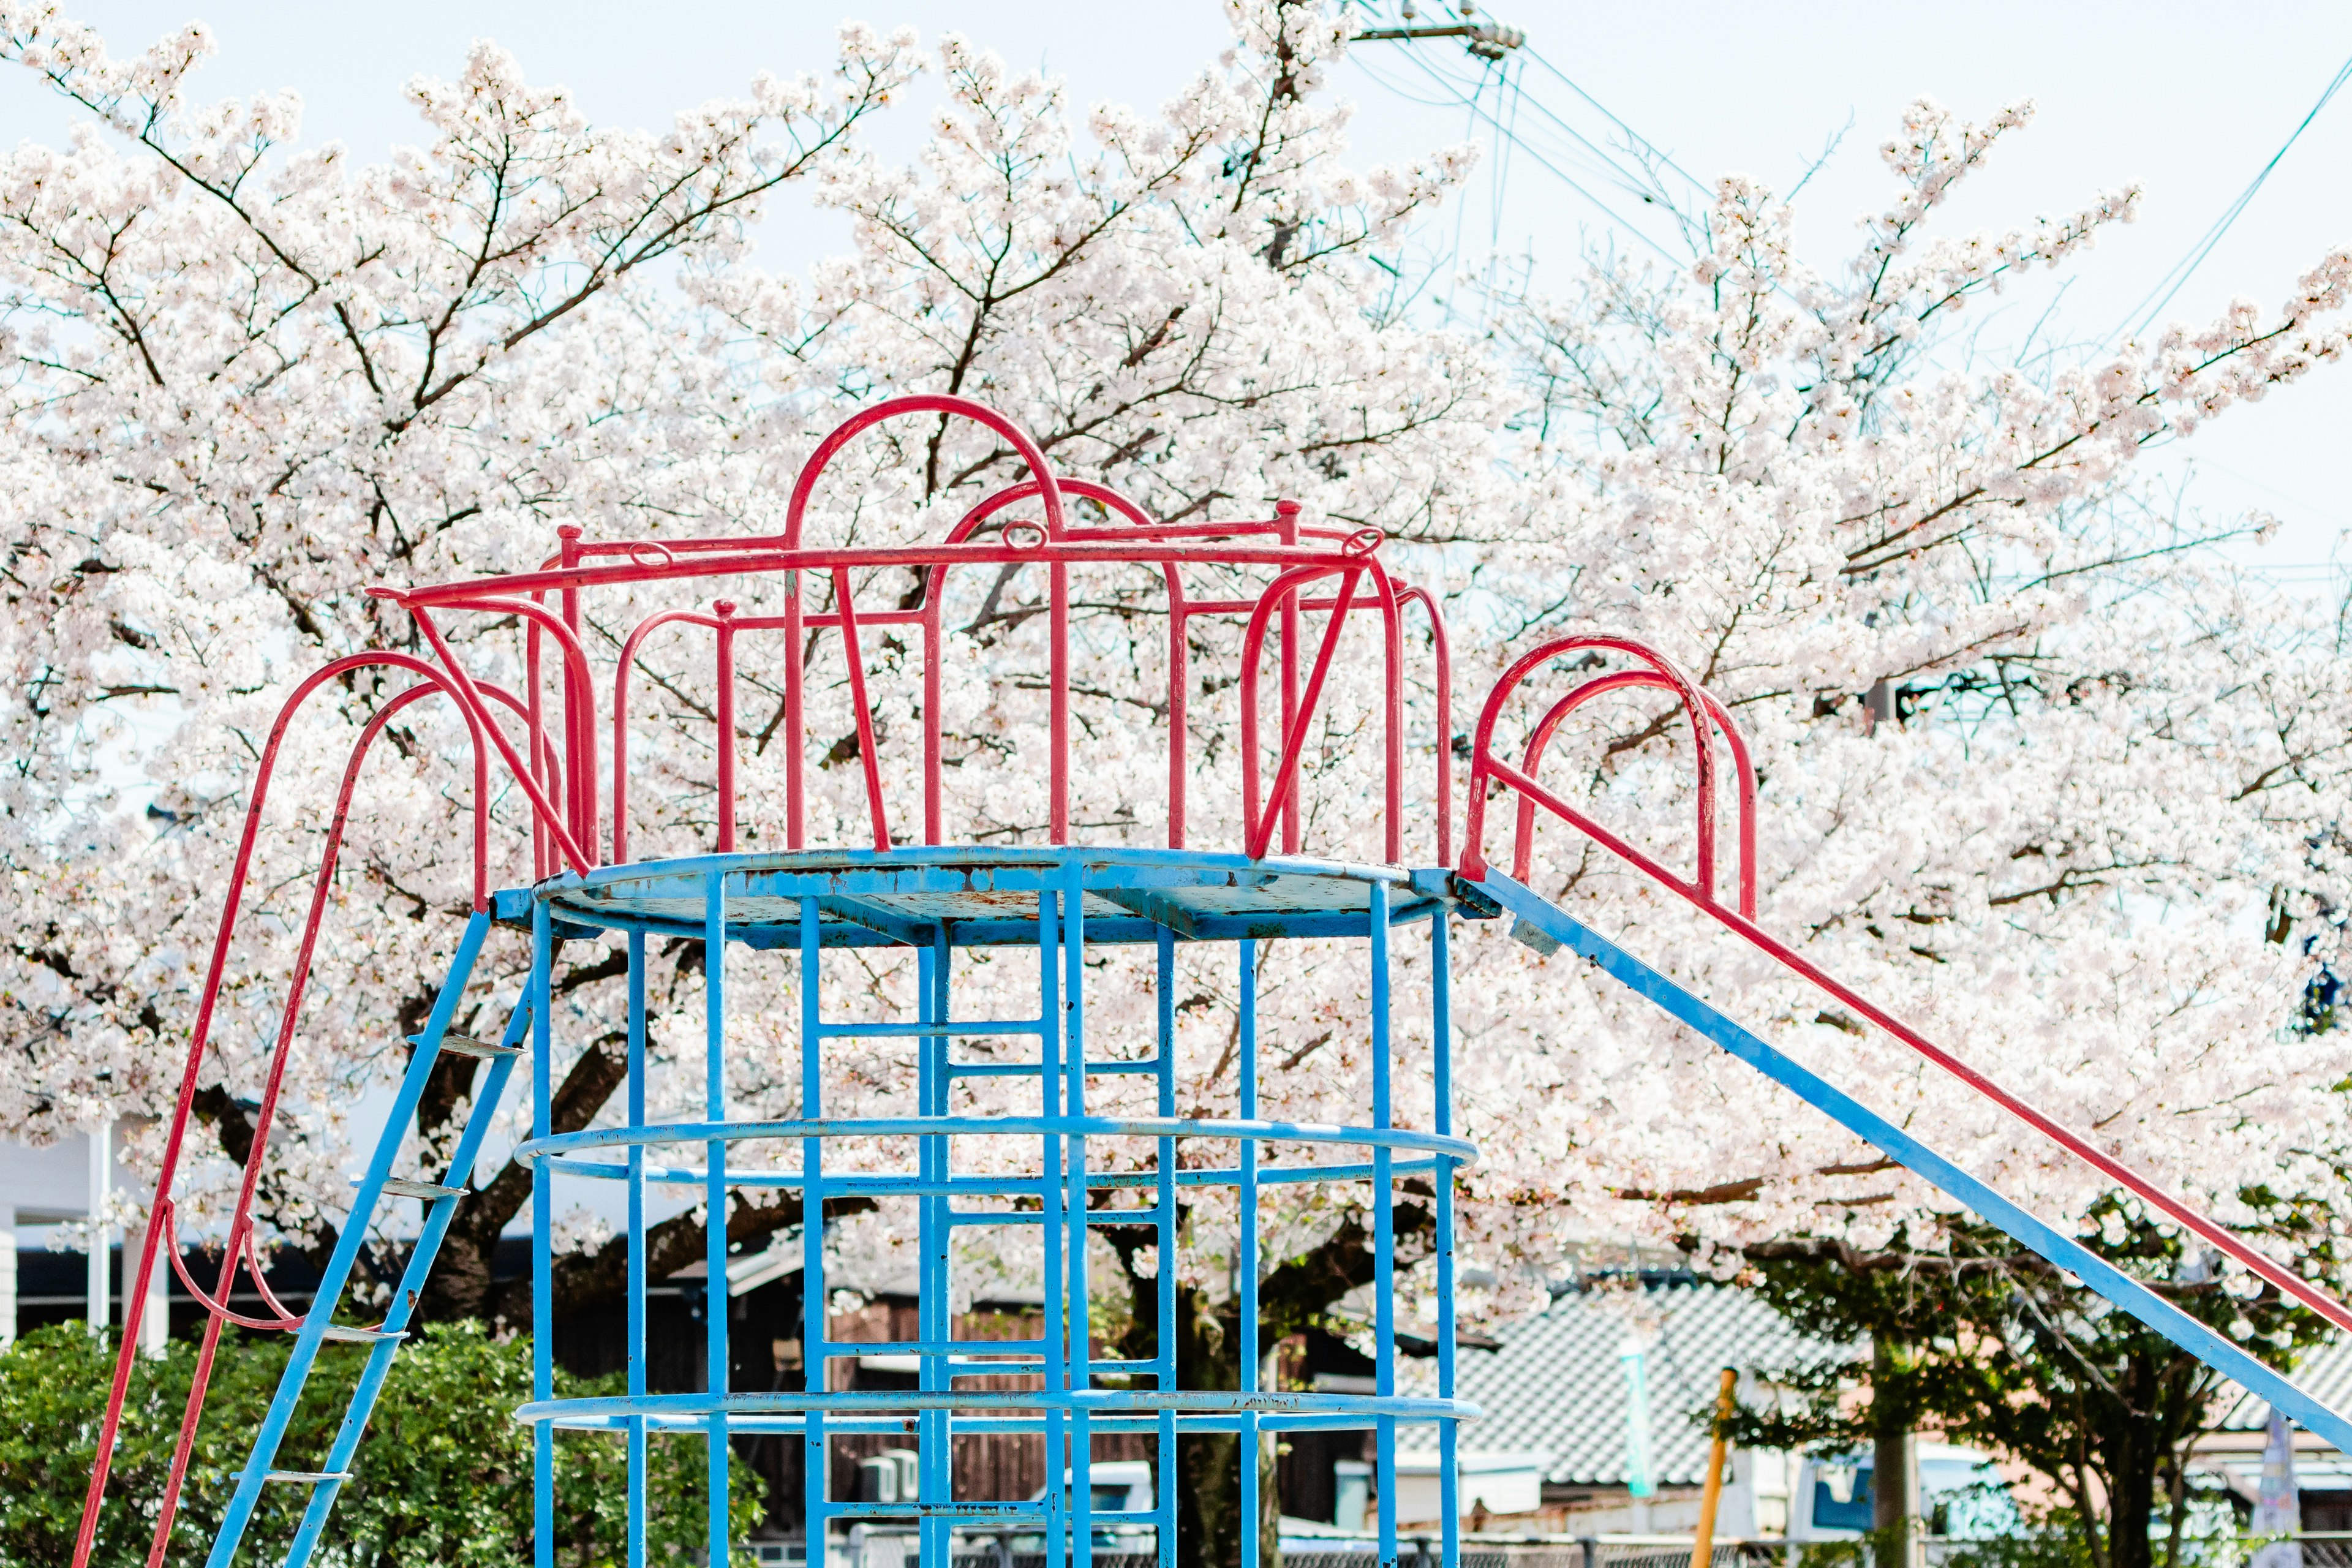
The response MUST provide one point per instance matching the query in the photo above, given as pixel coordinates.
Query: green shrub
(441, 1479)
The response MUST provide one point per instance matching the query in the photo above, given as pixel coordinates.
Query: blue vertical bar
(1441, 1067)
(716, 1300)
(1056, 1334)
(1247, 1247)
(542, 1225)
(1082, 1355)
(813, 1365)
(637, 1308)
(1164, 1497)
(932, 1442)
(1383, 1227)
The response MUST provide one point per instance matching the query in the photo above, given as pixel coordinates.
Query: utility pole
(101, 1235)
(1486, 40)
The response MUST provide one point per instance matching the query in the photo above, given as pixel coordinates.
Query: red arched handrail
(469, 694)
(1484, 764)
(1409, 593)
(1057, 614)
(628, 660)
(934, 591)
(199, 1039)
(1523, 847)
(1257, 827)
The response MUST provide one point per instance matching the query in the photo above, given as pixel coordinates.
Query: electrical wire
(1646, 146)
(1604, 159)
(2171, 283)
(1555, 169)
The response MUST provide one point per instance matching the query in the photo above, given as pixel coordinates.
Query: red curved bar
(1444, 652)
(1483, 763)
(1058, 677)
(579, 711)
(621, 716)
(934, 589)
(1258, 829)
(1745, 771)
(200, 1037)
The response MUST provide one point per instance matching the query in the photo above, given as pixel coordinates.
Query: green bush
(443, 1478)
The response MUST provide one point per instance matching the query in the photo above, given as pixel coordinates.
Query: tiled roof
(2324, 1372)
(1557, 1386)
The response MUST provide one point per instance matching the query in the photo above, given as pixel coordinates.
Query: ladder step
(456, 1045)
(402, 1187)
(357, 1336)
(307, 1477)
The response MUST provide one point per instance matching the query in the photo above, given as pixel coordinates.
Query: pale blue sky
(2189, 100)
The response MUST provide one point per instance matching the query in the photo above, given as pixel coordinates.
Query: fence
(885, 1549)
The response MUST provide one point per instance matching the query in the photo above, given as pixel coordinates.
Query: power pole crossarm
(1487, 40)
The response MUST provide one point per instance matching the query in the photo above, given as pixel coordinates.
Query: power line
(1557, 172)
(2173, 282)
(1632, 184)
(1645, 143)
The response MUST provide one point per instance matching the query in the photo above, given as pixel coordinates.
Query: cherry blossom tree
(2036, 768)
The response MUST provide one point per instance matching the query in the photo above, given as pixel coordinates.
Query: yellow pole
(1703, 1545)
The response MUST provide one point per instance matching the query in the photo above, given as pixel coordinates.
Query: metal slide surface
(2217, 1350)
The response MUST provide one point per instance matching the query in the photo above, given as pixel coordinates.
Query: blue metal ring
(1458, 1149)
(887, 1183)
(1182, 1402)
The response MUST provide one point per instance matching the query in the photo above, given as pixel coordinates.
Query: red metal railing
(554, 759)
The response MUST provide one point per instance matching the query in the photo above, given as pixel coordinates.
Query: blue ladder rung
(993, 1069)
(402, 1187)
(307, 1478)
(347, 1334)
(453, 1044)
(975, 1026)
(960, 1508)
(956, 1348)
(1097, 1069)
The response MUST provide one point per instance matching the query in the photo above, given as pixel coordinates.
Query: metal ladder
(383, 1340)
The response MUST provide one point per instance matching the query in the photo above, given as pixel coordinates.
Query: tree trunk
(2132, 1449)
(1894, 1475)
(1209, 1348)
(1208, 1522)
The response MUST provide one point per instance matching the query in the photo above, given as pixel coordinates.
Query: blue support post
(1164, 1497)
(1082, 1355)
(1246, 1244)
(636, 1544)
(542, 1230)
(715, 1299)
(1441, 1048)
(1383, 1229)
(814, 1479)
(933, 969)
(1058, 1378)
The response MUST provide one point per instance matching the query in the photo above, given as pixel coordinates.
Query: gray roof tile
(2324, 1372)
(1557, 1386)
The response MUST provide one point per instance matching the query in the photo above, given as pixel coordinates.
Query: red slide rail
(1706, 716)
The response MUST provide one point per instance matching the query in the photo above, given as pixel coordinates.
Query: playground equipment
(907, 888)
